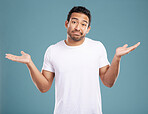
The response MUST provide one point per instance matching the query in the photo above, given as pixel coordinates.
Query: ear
(66, 24)
(88, 29)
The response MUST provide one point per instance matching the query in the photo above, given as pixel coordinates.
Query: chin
(77, 39)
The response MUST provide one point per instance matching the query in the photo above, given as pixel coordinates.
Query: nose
(77, 27)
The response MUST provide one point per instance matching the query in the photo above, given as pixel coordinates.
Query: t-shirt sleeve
(103, 57)
(47, 64)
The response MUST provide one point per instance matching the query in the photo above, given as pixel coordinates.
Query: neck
(71, 42)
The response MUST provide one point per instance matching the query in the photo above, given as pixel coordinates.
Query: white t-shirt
(77, 87)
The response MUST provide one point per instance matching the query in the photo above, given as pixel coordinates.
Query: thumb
(22, 52)
(125, 45)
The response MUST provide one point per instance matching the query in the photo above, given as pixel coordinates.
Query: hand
(120, 51)
(25, 58)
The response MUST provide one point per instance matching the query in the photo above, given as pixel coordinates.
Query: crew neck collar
(81, 45)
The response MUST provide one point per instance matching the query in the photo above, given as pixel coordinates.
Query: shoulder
(94, 42)
(55, 46)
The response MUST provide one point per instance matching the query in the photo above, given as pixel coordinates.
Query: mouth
(77, 33)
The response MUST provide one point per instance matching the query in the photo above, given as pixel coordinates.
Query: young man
(76, 63)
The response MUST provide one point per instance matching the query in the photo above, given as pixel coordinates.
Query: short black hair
(79, 9)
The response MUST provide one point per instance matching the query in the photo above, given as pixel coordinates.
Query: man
(76, 63)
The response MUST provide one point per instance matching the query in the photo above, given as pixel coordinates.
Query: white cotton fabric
(77, 87)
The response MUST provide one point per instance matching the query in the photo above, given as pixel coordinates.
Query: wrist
(117, 57)
(29, 62)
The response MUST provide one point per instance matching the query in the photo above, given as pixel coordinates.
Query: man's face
(77, 27)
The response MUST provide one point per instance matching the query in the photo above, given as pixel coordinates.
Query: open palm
(120, 51)
(25, 58)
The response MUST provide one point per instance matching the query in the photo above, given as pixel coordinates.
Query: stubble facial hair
(74, 38)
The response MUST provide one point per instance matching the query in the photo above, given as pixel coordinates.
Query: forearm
(112, 73)
(39, 80)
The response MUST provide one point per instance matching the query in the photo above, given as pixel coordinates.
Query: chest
(74, 60)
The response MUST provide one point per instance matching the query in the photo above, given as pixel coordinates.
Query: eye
(73, 22)
(83, 24)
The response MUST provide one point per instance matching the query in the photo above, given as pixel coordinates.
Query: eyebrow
(78, 19)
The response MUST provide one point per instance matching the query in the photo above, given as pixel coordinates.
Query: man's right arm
(43, 81)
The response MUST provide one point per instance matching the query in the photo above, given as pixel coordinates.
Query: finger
(133, 47)
(23, 53)
(125, 45)
(11, 57)
(138, 44)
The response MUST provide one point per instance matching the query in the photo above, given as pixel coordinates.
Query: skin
(77, 28)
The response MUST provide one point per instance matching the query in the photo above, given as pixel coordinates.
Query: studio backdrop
(33, 25)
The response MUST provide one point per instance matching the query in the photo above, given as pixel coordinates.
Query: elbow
(110, 85)
(43, 91)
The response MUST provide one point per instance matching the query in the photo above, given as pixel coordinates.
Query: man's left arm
(109, 74)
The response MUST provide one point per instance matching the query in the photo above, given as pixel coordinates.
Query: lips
(77, 33)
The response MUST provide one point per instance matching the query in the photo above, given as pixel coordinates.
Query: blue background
(33, 25)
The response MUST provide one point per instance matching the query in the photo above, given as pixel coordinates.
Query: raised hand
(25, 58)
(120, 51)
